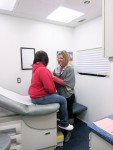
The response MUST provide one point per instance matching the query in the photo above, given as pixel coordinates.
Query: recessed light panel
(65, 15)
(7, 4)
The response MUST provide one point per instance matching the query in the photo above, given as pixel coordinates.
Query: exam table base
(35, 137)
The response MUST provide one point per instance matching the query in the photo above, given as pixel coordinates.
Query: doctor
(64, 78)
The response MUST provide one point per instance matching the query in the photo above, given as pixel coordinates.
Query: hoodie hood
(37, 65)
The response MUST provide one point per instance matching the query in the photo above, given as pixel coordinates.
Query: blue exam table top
(100, 132)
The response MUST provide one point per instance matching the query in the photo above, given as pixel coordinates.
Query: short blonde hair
(66, 56)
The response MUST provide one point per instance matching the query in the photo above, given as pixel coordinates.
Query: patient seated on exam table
(42, 89)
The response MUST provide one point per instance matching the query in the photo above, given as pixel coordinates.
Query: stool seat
(5, 141)
(78, 108)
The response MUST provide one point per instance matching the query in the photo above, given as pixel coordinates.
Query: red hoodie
(42, 82)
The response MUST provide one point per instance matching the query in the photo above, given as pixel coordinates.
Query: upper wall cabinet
(108, 27)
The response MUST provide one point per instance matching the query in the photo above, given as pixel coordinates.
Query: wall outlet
(18, 80)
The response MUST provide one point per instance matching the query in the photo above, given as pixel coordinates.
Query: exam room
(95, 92)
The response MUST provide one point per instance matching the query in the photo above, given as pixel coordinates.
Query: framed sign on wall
(27, 57)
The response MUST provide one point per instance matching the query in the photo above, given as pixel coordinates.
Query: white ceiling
(40, 9)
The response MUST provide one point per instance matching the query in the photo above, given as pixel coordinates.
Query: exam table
(5, 141)
(30, 127)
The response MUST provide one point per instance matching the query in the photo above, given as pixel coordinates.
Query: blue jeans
(55, 98)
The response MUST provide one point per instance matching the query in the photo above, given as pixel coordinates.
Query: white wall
(18, 32)
(94, 92)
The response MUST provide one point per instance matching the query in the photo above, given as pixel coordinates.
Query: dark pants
(70, 102)
(55, 98)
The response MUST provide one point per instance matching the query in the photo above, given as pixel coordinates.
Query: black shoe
(67, 137)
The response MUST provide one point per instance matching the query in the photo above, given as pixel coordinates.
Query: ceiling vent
(81, 20)
(86, 1)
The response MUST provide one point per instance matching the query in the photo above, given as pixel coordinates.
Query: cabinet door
(108, 27)
(98, 143)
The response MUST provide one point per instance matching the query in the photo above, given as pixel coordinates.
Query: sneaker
(69, 127)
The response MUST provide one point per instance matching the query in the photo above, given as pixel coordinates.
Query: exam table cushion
(22, 105)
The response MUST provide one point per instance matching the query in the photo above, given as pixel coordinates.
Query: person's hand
(58, 80)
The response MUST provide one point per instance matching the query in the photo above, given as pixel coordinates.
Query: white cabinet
(98, 143)
(108, 27)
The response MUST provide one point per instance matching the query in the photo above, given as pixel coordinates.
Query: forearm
(58, 80)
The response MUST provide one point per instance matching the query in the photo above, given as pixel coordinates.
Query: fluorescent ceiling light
(7, 4)
(63, 14)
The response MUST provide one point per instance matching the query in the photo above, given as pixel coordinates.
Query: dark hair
(41, 56)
